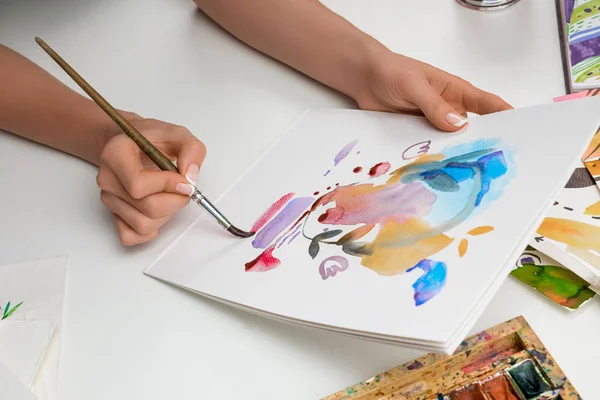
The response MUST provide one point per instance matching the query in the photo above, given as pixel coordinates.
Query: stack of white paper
(378, 226)
(31, 301)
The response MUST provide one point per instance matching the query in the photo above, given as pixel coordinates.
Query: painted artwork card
(553, 280)
(580, 20)
(380, 226)
(31, 307)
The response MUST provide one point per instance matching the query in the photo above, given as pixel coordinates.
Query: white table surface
(127, 336)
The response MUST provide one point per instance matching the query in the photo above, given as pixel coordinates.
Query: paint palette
(507, 362)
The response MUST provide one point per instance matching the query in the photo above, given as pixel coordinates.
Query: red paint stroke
(357, 170)
(315, 193)
(271, 211)
(379, 169)
(328, 187)
(264, 262)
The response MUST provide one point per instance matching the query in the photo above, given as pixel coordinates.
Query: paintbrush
(151, 151)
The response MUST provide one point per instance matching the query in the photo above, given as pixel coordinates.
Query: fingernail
(184, 188)
(192, 174)
(456, 120)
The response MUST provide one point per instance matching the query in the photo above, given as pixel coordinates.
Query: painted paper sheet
(551, 279)
(31, 303)
(570, 233)
(583, 37)
(378, 224)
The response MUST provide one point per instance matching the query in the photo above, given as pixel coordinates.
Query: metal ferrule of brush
(202, 201)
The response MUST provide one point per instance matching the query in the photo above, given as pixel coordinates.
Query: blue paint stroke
(344, 152)
(327, 173)
(431, 282)
(282, 220)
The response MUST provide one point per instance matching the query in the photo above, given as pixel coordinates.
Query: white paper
(11, 387)
(22, 346)
(358, 300)
(30, 336)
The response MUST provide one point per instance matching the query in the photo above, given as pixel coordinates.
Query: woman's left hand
(396, 83)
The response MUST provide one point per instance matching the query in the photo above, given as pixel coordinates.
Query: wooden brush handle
(151, 151)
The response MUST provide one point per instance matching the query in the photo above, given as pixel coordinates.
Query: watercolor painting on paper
(391, 218)
(570, 233)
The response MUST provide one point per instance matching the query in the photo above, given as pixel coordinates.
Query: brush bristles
(240, 233)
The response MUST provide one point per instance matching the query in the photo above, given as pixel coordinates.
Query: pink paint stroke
(271, 211)
(264, 262)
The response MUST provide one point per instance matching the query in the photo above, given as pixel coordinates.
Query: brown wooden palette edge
(478, 356)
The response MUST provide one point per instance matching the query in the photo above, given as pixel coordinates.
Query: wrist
(373, 58)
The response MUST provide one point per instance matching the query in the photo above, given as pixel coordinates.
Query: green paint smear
(557, 283)
(8, 311)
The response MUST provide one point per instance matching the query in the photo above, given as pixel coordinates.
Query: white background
(127, 336)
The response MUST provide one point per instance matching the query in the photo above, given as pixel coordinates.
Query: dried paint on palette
(548, 277)
(396, 223)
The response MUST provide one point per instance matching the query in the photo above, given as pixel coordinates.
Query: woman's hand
(396, 83)
(141, 197)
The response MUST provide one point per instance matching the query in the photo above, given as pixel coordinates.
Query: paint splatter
(431, 282)
(414, 366)
(264, 262)
(292, 211)
(271, 211)
(357, 170)
(379, 169)
(344, 152)
(541, 357)
(331, 266)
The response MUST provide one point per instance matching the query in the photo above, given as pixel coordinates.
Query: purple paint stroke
(569, 5)
(583, 50)
(327, 173)
(344, 152)
(340, 264)
(294, 237)
(291, 234)
(289, 214)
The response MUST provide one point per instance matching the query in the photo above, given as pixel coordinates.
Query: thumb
(438, 111)
(189, 159)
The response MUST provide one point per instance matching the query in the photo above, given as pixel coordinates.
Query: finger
(480, 102)
(190, 157)
(154, 206)
(437, 110)
(128, 236)
(139, 222)
(122, 156)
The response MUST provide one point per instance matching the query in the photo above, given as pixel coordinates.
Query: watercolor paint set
(506, 362)
(355, 209)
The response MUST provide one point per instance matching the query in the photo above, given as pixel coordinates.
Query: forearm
(35, 105)
(304, 34)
